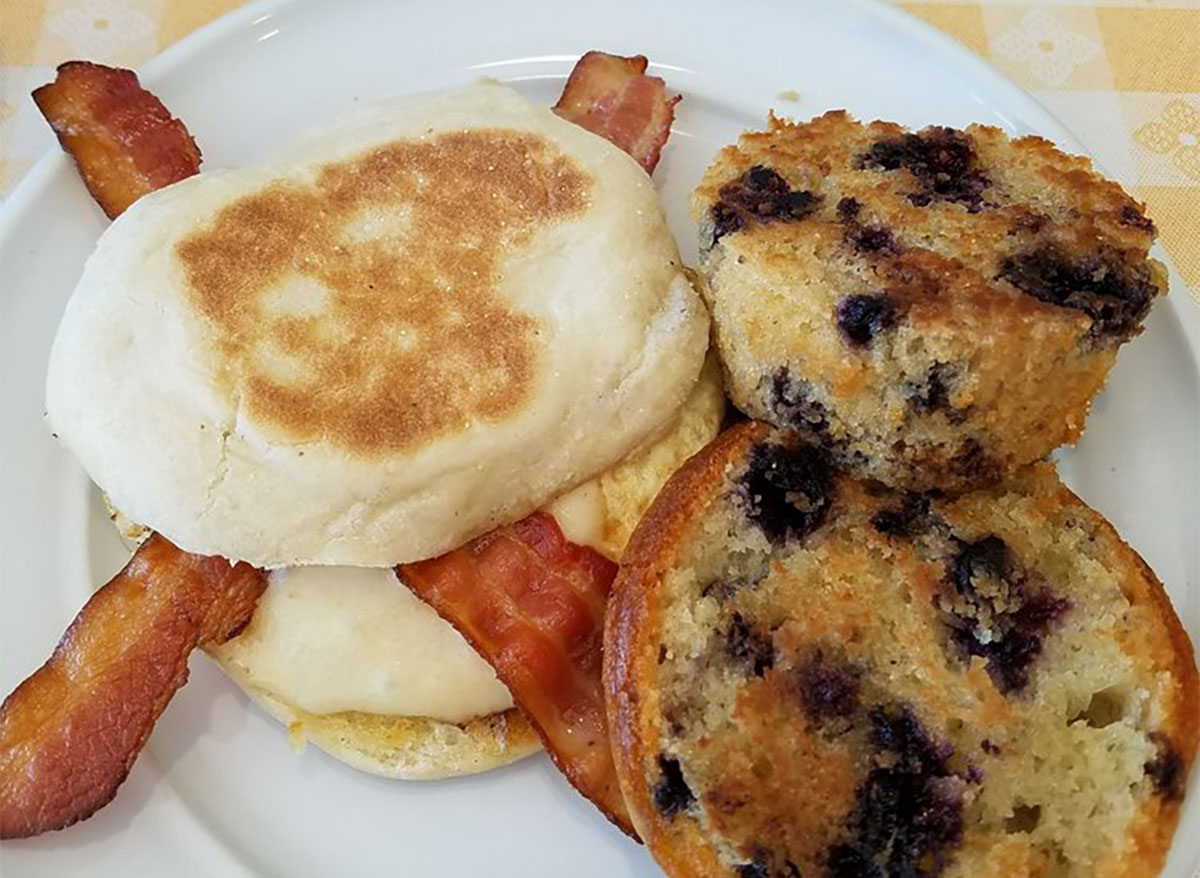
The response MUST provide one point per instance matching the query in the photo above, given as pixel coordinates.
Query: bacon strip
(70, 733)
(124, 141)
(611, 95)
(532, 604)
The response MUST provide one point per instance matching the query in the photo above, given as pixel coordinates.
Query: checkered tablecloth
(1124, 75)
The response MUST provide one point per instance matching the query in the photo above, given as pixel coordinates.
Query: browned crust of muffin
(632, 636)
(631, 629)
(379, 744)
(1103, 209)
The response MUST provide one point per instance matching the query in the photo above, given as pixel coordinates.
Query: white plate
(218, 791)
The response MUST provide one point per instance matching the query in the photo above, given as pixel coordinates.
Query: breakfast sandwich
(446, 332)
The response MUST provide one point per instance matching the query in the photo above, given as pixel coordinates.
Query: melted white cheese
(581, 514)
(330, 639)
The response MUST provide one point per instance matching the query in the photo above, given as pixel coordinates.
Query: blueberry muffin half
(937, 308)
(810, 677)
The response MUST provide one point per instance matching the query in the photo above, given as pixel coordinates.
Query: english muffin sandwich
(421, 324)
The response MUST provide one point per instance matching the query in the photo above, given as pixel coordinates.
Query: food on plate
(421, 324)
(812, 675)
(534, 603)
(123, 140)
(382, 413)
(70, 733)
(347, 658)
(938, 308)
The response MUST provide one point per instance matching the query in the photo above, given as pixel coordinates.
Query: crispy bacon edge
(532, 604)
(123, 140)
(612, 96)
(70, 733)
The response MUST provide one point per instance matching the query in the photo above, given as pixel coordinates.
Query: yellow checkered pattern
(1124, 75)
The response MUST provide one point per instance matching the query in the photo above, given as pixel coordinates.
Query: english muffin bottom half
(938, 308)
(810, 675)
